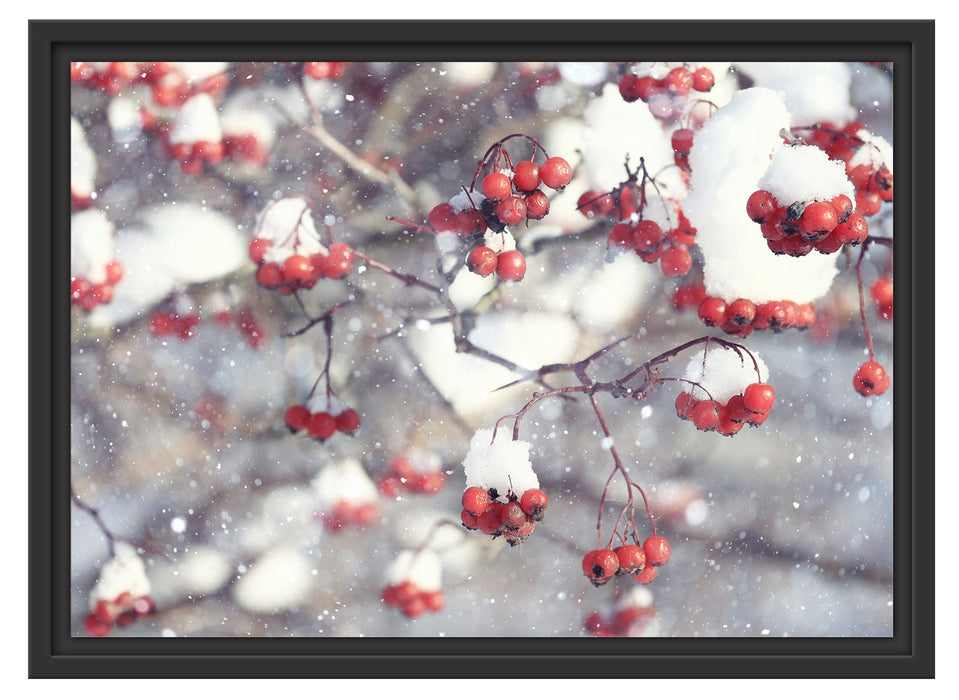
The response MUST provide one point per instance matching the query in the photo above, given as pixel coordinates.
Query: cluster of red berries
(689, 296)
(414, 473)
(513, 198)
(122, 611)
(624, 622)
(298, 271)
(88, 295)
(321, 425)
(799, 228)
(167, 323)
(741, 317)
(324, 70)
(871, 379)
(467, 223)
(412, 601)
(192, 157)
(751, 407)
(662, 95)
(881, 292)
(642, 563)
(648, 240)
(509, 265)
(345, 513)
(873, 181)
(514, 520)
(169, 87)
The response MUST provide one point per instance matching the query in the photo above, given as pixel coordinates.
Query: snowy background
(179, 445)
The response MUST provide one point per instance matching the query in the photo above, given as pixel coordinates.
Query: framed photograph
(382, 348)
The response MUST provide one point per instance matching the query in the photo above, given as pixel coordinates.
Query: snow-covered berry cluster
(288, 250)
(346, 495)
(515, 520)
(502, 495)
(728, 390)
(805, 203)
(93, 270)
(121, 594)
(497, 254)
(414, 471)
(631, 615)
(414, 583)
(321, 417)
(640, 562)
(665, 87)
(741, 317)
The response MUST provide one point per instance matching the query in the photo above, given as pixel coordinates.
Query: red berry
(740, 312)
(881, 292)
(632, 559)
(843, 206)
(321, 426)
(703, 79)
(647, 574)
(759, 397)
(772, 314)
(537, 205)
(620, 236)
(429, 482)
(818, 219)
(96, 627)
(143, 606)
(679, 81)
(682, 141)
(491, 521)
(348, 421)
(706, 415)
(513, 516)
(469, 520)
(297, 268)
(442, 218)
(497, 187)
(736, 410)
(629, 87)
(647, 235)
(433, 600)
(871, 379)
(162, 323)
(511, 211)
(600, 565)
(339, 261)
(533, 502)
(469, 223)
(712, 311)
(296, 418)
(526, 176)
(761, 206)
(114, 272)
(689, 296)
(647, 86)
(475, 500)
(676, 261)
(269, 275)
(482, 261)
(868, 203)
(593, 204)
(657, 550)
(685, 404)
(853, 230)
(511, 266)
(556, 173)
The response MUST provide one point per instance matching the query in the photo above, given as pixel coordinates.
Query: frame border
(52, 653)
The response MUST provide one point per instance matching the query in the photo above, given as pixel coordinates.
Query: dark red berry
(511, 266)
(526, 176)
(871, 379)
(497, 187)
(482, 261)
(556, 173)
(657, 550)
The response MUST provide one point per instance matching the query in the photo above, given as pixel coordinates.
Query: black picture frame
(53, 653)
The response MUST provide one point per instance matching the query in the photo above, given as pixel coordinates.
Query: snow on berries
(414, 583)
(288, 251)
(196, 137)
(502, 495)
(725, 389)
(667, 87)
(346, 495)
(83, 167)
(93, 270)
(121, 593)
(416, 470)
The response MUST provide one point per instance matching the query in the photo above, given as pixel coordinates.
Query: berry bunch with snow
(321, 417)
(93, 270)
(289, 252)
(502, 495)
(415, 471)
(630, 615)
(196, 137)
(649, 224)
(121, 594)
(665, 87)
(414, 583)
(640, 562)
(346, 495)
(728, 389)
(805, 203)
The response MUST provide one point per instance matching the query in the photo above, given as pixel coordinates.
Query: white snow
(279, 580)
(723, 373)
(91, 245)
(83, 161)
(813, 92)
(876, 152)
(804, 174)
(344, 481)
(503, 465)
(197, 121)
(124, 573)
(420, 567)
